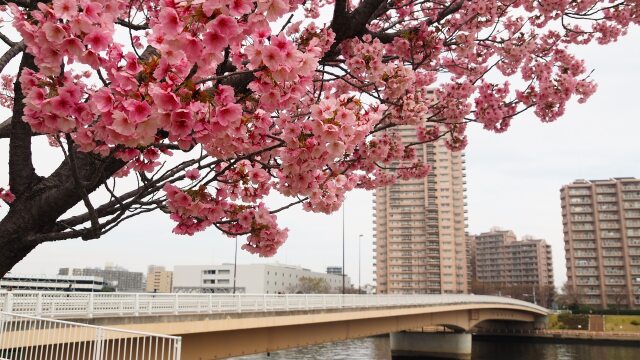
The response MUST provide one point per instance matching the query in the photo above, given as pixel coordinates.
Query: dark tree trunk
(36, 210)
(41, 201)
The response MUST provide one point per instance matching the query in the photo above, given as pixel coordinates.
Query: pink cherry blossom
(98, 40)
(137, 110)
(65, 9)
(226, 26)
(169, 22)
(229, 114)
(243, 107)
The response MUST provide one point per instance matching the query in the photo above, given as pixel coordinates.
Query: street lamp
(359, 267)
(235, 265)
(343, 206)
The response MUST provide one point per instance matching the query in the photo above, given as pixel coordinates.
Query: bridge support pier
(438, 345)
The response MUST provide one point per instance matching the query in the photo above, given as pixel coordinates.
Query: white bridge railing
(81, 305)
(26, 337)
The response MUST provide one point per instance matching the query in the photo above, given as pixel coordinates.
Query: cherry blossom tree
(211, 105)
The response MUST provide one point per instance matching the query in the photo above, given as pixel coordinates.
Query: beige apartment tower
(159, 280)
(498, 258)
(601, 220)
(420, 245)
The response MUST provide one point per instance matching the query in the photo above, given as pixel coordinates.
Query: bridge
(216, 326)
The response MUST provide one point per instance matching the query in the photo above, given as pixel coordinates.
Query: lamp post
(359, 267)
(235, 264)
(343, 206)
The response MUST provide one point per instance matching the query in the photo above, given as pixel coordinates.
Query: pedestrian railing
(558, 332)
(27, 337)
(79, 305)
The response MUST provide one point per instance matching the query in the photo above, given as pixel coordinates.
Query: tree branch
(132, 26)
(22, 3)
(16, 49)
(6, 40)
(71, 157)
(452, 8)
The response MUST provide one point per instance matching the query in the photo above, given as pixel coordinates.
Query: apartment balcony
(582, 228)
(607, 262)
(633, 223)
(583, 245)
(581, 209)
(631, 187)
(583, 236)
(582, 254)
(609, 243)
(582, 218)
(608, 216)
(587, 282)
(631, 196)
(578, 201)
(605, 189)
(578, 192)
(632, 205)
(614, 282)
(610, 234)
(587, 273)
(607, 207)
(614, 272)
(635, 214)
(606, 198)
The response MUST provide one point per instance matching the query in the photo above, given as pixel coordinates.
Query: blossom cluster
(306, 111)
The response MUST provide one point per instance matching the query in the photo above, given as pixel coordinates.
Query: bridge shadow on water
(377, 348)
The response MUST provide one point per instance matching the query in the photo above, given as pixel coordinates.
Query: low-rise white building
(250, 278)
(13, 281)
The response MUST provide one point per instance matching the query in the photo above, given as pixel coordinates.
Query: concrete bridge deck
(218, 326)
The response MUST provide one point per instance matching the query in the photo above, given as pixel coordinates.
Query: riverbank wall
(560, 336)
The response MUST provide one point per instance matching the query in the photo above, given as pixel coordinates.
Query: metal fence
(80, 305)
(26, 337)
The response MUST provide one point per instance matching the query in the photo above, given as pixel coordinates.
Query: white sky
(513, 181)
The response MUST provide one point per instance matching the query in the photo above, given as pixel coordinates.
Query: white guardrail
(26, 337)
(86, 305)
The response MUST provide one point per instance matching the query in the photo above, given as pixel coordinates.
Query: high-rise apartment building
(159, 280)
(471, 259)
(420, 245)
(601, 220)
(502, 260)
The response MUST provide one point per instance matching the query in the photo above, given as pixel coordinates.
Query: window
(223, 281)
(224, 272)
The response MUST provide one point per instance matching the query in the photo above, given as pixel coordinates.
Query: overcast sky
(513, 181)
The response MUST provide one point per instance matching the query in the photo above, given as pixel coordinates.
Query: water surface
(377, 348)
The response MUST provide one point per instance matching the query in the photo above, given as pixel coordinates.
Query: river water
(377, 348)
